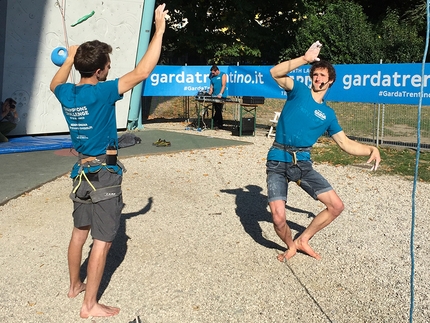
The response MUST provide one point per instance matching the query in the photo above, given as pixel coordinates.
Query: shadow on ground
(118, 250)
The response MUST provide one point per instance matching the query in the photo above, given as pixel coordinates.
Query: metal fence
(384, 124)
(381, 124)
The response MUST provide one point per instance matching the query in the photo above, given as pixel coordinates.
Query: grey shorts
(104, 216)
(279, 174)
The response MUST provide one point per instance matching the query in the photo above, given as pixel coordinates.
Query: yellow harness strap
(80, 181)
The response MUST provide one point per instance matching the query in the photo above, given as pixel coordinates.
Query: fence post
(379, 118)
(377, 125)
(375, 134)
(382, 123)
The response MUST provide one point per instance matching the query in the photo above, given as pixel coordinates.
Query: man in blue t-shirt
(218, 88)
(89, 109)
(304, 118)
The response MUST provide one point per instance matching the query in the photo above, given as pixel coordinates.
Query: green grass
(395, 161)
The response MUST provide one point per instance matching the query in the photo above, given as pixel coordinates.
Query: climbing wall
(34, 28)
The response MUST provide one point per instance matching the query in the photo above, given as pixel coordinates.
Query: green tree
(265, 32)
(343, 29)
(227, 32)
(400, 40)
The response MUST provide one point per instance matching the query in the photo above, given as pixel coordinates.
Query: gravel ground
(197, 244)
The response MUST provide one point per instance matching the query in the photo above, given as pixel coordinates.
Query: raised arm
(279, 72)
(63, 73)
(355, 148)
(148, 62)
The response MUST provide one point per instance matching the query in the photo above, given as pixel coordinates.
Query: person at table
(218, 88)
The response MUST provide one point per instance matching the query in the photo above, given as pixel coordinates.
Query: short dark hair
(214, 68)
(91, 56)
(328, 66)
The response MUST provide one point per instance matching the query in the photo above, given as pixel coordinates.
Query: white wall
(35, 27)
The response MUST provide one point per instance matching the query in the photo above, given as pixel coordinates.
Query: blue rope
(417, 159)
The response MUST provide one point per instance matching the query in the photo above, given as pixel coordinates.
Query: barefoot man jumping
(304, 118)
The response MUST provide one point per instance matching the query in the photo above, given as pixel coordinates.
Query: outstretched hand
(312, 53)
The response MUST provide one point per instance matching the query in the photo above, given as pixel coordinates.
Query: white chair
(274, 122)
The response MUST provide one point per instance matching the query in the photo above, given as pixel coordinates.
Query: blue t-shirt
(216, 82)
(89, 111)
(301, 123)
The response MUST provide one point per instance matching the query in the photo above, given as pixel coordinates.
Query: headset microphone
(322, 85)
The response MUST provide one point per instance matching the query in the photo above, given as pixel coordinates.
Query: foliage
(417, 14)
(344, 31)
(264, 32)
(227, 32)
(400, 40)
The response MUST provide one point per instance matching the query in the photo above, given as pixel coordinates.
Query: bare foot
(76, 290)
(286, 255)
(98, 310)
(306, 248)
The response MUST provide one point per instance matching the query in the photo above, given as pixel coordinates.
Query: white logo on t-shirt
(319, 114)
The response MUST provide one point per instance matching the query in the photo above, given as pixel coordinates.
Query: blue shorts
(279, 174)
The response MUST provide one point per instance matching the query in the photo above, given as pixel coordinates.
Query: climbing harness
(94, 165)
(291, 150)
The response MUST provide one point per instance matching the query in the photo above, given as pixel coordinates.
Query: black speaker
(253, 99)
(248, 126)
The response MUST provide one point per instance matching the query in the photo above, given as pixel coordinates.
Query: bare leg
(282, 229)
(74, 255)
(96, 265)
(324, 218)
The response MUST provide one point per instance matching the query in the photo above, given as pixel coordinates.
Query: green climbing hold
(83, 18)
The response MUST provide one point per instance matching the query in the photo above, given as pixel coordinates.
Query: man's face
(320, 79)
(214, 73)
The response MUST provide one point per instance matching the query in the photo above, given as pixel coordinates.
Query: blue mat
(29, 143)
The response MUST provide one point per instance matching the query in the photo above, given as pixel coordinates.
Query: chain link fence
(384, 124)
(381, 124)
